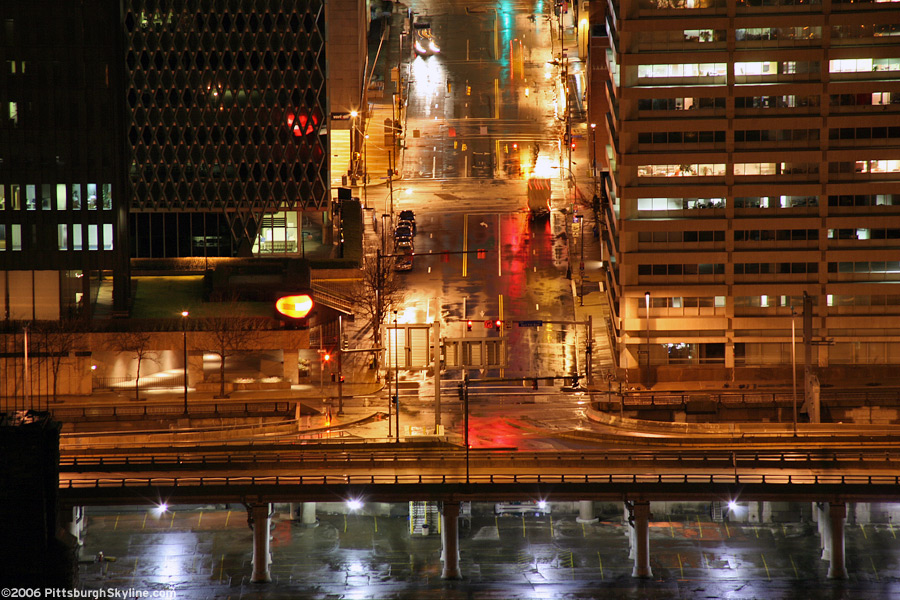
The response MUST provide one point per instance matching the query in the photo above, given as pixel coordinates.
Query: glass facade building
(753, 155)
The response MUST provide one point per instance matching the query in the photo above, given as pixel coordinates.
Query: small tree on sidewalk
(54, 342)
(227, 336)
(377, 294)
(138, 344)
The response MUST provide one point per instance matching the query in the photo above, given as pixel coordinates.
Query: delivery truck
(538, 197)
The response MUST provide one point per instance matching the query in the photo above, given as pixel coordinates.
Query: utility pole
(437, 376)
(340, 367)
(465, 386)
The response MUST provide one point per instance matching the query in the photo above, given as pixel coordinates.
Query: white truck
(538, 197)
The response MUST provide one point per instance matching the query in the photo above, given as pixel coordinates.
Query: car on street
(404, 244)
(403, 231)
(408, 216)
(410, 224)
(424, 43)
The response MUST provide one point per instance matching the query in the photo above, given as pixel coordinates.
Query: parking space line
(727, 532)
(600, 558)
(874, 570)
(583, 531)
(375, 519)
(523, 524)
(116, 524)
(345, 523)
(199, 518)
(700, 527)
(705, 560)
(768, 576)
(680, 565)
(671, 529)
(756, 531)
(221, 568)
(172, 522)
(793, 564)
(144, 524)
(891, 525)
(228, 516)
(134, 571)
(862, 526)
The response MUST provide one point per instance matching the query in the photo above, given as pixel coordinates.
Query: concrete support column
(586, 512)
(862, 512)
(629, 529)
(290, 365)
(309, 515)
(450, 530)
(259, 513)
(753, 512)
(642, 540)
(824, 529)
(766, 511)
(293, 510)
(837, 512)
(195, 365)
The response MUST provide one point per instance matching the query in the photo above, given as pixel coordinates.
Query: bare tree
(227, 336)
(377, 293)
(54, 342)
(138, 344)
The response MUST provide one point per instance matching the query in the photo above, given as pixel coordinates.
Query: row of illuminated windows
(682, 170)
(864, 133)
(56, 196)
(775, 268)
(767, 168)
(69, 237)
(688, 269)
(777, 33)
(865, 166)
(684, 70)
(663, 204)
(789, 101)
(862, 65)
(701, 4)
(745, 169)
(864, 234)
(681, 137)
(763, 235)
(890, 266)
(682, 302)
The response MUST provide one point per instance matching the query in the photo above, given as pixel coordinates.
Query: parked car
(408, 215)
(405, 223)
(404, 244)
(522, 508)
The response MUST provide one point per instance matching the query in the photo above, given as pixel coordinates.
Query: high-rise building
(753, 156)
(226, 125)
(63, 196)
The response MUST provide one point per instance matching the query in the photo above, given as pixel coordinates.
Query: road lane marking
(700, 527)
(116, 524)
(345, 523)
(523, 524)
(672, 529)
(768, 576)
(600, 558)
(756, 531)
(200, 518)
(681, 565)
(134, 571)
(891, 525)
(583, 531)
(375, 519)
(144, 524)
(465, 255)
(572, 564)
(222, 567)
(727, 532)
(705, 560)
(862, 526)
(793, 564)
(228, 516)
(172, 522)
(874, 570)
(496, 98)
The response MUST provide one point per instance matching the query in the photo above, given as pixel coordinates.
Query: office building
(753, 153)
(63, 195)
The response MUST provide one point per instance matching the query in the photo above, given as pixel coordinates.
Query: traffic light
(326, 357)
(481, 253)
(498, 324)
(468, 325)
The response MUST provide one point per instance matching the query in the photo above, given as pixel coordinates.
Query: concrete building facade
(753, 154)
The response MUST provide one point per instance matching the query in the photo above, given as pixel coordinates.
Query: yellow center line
(572, 563)
(705, 560)
(134, 571)
(783, 531)
(769, 577)
(756, 531)
(793, 564)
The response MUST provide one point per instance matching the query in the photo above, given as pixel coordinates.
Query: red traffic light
(326, 357)
(468, 325)
(498, 323)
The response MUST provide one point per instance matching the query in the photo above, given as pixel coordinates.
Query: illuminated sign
(295, 307)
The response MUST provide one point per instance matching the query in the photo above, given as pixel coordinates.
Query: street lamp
(184, 316)
(794, 368)
(397, 376)
(594, 155)
(647, 304)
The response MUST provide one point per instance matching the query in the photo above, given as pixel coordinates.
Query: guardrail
(169, 410)
(452, 479)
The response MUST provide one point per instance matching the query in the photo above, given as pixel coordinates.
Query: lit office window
(93, 235)
(76, 237)
(106, 196)
(107, 236)
(76, 197)
(16, 237)
(92, 196)
(60, 196)
(30, 197)
(63, 236)
(2, 237)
